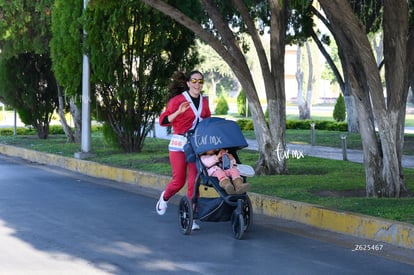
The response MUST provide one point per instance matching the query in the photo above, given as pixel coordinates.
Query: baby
(212, 160)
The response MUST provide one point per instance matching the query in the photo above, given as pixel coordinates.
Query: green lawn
(333, 139)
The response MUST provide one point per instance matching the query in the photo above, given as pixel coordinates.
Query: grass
(333, 139)
(309, 178)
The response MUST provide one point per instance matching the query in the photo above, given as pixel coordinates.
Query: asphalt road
(53, 221)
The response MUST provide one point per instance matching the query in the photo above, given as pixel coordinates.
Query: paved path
(308, 150)
(55, 221)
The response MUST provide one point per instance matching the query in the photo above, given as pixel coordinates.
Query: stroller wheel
(185, 215)
(237, 225)
(247, 213)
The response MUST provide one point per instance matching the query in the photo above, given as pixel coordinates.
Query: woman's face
(195, 84)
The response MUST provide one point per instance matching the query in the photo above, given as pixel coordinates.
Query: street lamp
(86, 109)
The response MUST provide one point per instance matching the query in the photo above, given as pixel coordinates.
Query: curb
(357, 225)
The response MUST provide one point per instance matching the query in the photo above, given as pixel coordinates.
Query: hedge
(247, 125)
(28, 131)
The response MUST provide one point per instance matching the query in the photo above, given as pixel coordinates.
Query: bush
(23, 131)
(241, 103)
(245, 124)
(298, 124)
(109, 135)
(339, 112)
(6, 132)
(222, 107)
(56, 130)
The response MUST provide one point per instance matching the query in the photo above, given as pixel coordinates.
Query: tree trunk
(303, 104)
(299, 80)
(352, 116)
(61, 111)
(371, 148)
(382, 156)
(42, 131)
(311, 80)
(275, 86)
(213, 97)
(77, 119)
(351, 112)
(270, 136)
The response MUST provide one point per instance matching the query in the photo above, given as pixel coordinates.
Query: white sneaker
(161, 206)
(195, 226)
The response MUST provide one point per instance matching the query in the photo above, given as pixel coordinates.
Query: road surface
(53, 221)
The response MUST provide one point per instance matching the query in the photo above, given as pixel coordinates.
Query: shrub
(56, 130)
(222, 107)
(339, 112)
(249, 126)
(109, 135)
(241, 103)
(245, 124)
(6, 132)
(242, 123)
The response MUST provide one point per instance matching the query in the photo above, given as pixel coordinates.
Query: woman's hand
(183, 107)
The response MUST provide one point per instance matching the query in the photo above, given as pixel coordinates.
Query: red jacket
(182, 123)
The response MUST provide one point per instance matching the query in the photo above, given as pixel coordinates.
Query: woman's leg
(192, 174)
(179, 173)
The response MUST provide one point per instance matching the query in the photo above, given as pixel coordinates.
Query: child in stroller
(221, 164)
(212, 135)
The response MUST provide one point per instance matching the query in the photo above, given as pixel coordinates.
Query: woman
(184, 110)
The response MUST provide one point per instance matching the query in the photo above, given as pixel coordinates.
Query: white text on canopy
(207, 140)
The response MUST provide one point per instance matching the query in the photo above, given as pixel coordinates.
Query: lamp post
(86, 109)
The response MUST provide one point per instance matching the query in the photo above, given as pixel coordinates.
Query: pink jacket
(210, 162)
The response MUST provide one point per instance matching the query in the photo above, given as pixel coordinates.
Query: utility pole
(86, 109)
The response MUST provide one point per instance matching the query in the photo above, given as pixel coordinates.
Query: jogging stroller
(210, 134)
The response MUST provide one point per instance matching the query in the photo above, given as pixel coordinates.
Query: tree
(215, 70)
(339, 112)
(382, 150)
(228, 44)
(133, 52)
(342, 79)
(28, 85)
(66, 49)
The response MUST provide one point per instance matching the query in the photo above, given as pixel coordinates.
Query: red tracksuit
(181, 124)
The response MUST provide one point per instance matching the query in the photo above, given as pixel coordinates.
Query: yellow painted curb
(376, 229)
(122, 175)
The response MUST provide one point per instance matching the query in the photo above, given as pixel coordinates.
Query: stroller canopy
(216, 133)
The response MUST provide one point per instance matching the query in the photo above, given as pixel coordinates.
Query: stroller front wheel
(247, 213)
(237, 225)
(185, 215)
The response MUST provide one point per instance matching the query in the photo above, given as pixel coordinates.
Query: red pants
(179, 174)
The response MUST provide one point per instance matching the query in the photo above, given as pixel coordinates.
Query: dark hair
(179, 82)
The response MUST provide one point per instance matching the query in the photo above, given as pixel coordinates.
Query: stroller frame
(235, 208)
